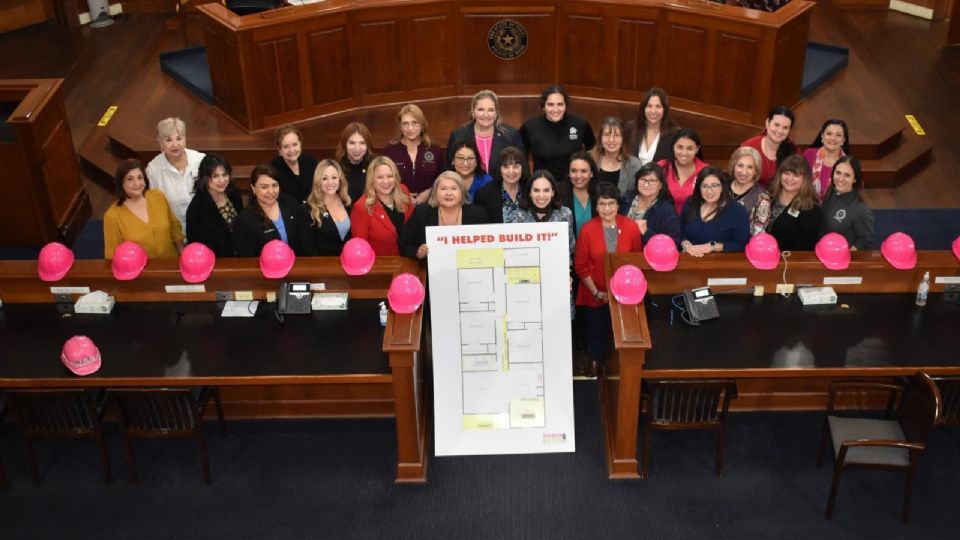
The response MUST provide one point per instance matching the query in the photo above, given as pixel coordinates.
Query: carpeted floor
(333, 479)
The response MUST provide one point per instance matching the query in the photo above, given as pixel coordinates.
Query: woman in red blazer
(385, 206)
(606, 233)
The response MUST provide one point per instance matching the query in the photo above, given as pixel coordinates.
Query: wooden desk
(324, 364)
(302, 62)
(746, 342)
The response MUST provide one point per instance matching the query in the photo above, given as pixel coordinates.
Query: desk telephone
(701, 305)
(294, 298)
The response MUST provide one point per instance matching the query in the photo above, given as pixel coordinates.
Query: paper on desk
(240, 308)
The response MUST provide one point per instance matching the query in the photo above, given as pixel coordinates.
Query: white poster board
(500, 315)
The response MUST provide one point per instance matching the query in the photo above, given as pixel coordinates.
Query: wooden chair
(57, 414)
(686, 404)
(165, 413)
(949, 388)
(887, 443)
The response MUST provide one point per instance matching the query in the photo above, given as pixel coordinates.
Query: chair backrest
(54, 412)
(919, 407)
(165, 411)
(949, 388)
(689, 402)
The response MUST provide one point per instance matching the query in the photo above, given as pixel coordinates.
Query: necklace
(455, 221)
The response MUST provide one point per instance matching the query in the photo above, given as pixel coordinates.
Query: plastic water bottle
(923, 289)
(383, 313)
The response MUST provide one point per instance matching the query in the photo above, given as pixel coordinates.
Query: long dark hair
(264, 169)
(526, 203)
(509, 156)
(684, 133)
(208, 165)
(123, 169)
(787, 147)
(696, 199)
(818, 142)
(857, 175)
(638, 127)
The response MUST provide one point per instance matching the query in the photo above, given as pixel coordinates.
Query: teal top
(581, 214)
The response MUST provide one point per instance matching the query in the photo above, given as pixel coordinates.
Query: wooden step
(896, 167)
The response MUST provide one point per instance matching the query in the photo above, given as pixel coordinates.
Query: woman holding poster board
(444, 207)
(609, 232)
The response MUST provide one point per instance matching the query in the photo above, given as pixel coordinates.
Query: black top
(551, 143)
(565, 192)
(873, 331)
(631, 138)
(206, 225)
(326, 237)
(296, 186)
(250, 233)
(356, 178)
(190, 339)
(502, 138)
(415, 231)
(797, 231)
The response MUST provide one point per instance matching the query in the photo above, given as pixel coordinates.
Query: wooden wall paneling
(226, 72)
(61, 172)
(15, 14)
(637, 53)
(686, 44)
(278, 72)
(18, 224)
(331, 75)
(788, 46)
(527, 73)
(378, 61)
(583, 51)
(736, 60)
(430, 68)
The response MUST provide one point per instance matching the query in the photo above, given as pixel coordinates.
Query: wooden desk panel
(722, 61)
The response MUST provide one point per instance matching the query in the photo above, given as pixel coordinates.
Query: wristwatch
(713, 244)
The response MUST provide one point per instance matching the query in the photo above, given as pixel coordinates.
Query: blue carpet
(823, 61)
(190, 68)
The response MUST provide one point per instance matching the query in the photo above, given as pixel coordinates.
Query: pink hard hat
(80, 355)
(276, 259)
(129, 259)
(406, 293)
(628, 284)
(196, 262)
(956, 247)
(357, 257)
(833, 251)
(900, 251)
(763, 252)
(54, 262)
(661, 253)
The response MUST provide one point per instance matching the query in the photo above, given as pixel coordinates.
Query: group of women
(645, 177)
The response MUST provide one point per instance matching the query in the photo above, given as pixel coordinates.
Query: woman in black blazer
(295, 169)
(444, 207)
(271, 216)
(501, 197)
(648, 136)
(487, 131)
(329, 207)
(214, 207)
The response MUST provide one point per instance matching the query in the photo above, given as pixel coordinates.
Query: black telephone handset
(294, 298)
(701, 305)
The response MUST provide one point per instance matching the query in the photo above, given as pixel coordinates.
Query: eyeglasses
(409, 123)
(465, 159)
(607, 203)
(710, 187)
(648, 181)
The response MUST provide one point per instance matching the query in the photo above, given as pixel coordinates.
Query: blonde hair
(315, 199)
(171, 126)
(806, 198)
(486, 94)
(417, 114)
(400, 199)
(753, 154)
(453, 177)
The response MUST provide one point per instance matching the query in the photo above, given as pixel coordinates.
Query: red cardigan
(591, 247)
(376, 227)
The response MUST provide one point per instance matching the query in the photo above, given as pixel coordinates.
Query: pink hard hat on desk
(956, 247)
(357, 257)
(406, 293)
(54, 262)
(197, 262)
(763, 252)
(628, 284)
(129, 259)
(661, 253)
(833, 250)
(276, 259)
(900, 251)
(80, 355)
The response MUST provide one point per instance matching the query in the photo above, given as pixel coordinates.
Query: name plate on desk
(843, 280)
(947, 280)
(719, 282)
(69, 290)
(185, 288)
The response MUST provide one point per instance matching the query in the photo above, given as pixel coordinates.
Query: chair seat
(846, 429)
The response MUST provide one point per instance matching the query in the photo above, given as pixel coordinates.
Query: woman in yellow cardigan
(140, 215)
